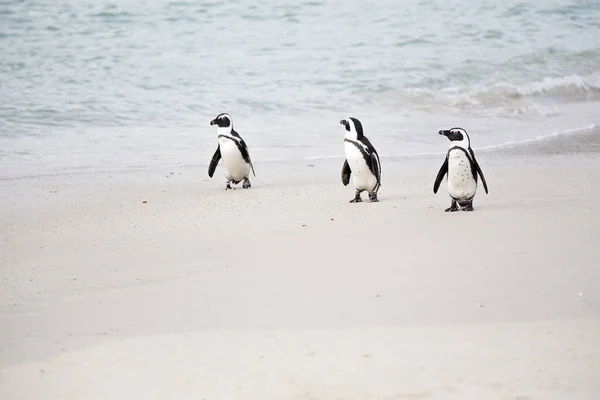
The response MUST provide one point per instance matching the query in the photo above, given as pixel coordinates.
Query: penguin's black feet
(373, 197)
(246, 184)
(453, 207)
(228, 186)
(356, 198)
(469, 206)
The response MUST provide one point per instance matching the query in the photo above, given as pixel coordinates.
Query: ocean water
(93, 85)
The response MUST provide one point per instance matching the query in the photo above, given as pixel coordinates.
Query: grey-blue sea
(107, 85)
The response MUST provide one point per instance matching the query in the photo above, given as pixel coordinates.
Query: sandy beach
(157, 284)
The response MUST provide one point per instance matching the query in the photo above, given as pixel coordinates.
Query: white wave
(572, 84)
(533, 109)
(502, 92)
(504, 99)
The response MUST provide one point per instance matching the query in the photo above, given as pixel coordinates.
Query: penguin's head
(458, 137)
(354, 129)
(222, 121)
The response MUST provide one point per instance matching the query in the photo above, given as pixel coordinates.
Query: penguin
(362, 161)
(462, 169)
(233, 150)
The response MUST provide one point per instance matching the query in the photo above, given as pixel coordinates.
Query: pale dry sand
(287, 291)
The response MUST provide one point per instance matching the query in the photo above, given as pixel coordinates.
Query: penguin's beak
(213, 122)
(344, 122)
(445, 132)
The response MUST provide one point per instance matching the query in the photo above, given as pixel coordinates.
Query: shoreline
(585, 134)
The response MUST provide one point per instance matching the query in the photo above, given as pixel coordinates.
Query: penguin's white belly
(461, 182)
(236, 168)
(362, 177)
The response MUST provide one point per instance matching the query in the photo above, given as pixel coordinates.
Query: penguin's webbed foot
(469, 206)
(246, 184)
(453, 207)
(373, 197)
(356, 198)
(228, 186)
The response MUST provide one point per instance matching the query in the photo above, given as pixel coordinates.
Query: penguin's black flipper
(440, 175)
(214, 161)
(482, 177)
(478, 170)
(346, 171)
(375, 167)
(251, 165)
(243, 147)
(246, 154)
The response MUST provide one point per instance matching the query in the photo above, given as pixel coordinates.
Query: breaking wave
(537, 98)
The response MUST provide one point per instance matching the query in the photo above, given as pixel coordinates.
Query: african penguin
(462, 169)
(233, 150)
(362, 161)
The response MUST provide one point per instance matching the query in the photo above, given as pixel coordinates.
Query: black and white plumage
(462, 169)
(362, 161)
(234, 152)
